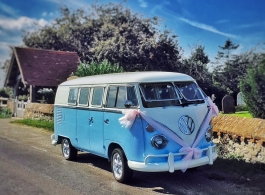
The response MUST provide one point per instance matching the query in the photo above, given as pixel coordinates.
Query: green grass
(4, 116)
(48, 125)
(241, 114)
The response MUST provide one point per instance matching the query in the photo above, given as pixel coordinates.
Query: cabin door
(83, 124)
(96, 127)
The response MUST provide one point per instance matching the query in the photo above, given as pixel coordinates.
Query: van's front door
(96, 132)
(90, 131)
(83, 124)
(83, 120)
(96, 127)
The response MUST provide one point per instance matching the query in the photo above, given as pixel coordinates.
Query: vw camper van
(143, 121)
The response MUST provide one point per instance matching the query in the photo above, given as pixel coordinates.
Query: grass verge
(48, 125)
(241, 114)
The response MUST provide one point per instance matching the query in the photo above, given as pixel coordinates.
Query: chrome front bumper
(172, 165)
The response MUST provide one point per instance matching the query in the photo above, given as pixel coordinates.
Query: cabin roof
(39, 67)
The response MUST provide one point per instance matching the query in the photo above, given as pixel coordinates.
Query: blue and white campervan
(144, 121)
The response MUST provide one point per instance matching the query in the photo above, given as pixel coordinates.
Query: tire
(69, 152)
(119, 167)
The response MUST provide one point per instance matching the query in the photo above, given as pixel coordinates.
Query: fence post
(15, 107)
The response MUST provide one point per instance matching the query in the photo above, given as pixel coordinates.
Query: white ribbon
(192, 152)
(128, 119)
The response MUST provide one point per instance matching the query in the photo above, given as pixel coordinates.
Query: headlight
(209, 133)
(159, 141)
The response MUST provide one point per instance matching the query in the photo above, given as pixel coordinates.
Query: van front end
(173, 141)
(162, 153)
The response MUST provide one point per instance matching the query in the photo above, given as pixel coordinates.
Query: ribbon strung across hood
(192, 152)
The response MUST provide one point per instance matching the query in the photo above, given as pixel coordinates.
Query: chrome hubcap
(117, 165)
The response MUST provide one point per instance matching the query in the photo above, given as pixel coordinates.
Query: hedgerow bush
(241, 108)
(5, 112)
(94, 68)
(253, 88)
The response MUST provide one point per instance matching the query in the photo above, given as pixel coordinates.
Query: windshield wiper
(192, 102)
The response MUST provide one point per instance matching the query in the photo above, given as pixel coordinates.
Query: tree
(196, 66)
(225, 55)
(6, 92)
(110, 32)
(5, 65)
(226, 71)
(231, 68)
(94, 68)
(253, 89)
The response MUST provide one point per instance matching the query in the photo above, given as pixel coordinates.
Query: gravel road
(29, 164)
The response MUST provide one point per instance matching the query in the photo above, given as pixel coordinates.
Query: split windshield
(190, 90)
(170, 94)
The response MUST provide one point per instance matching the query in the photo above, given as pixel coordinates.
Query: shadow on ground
(238, 173)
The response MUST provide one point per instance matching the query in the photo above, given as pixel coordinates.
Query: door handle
(106, 121)
(91, 120)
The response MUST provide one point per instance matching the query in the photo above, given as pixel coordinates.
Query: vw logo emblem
(186, 124)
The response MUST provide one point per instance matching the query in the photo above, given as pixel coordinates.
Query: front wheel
(119, 167)
(69, 152)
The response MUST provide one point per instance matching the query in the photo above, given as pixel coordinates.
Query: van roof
(129, 77)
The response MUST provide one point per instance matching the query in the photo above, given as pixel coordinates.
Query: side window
(72, 96)
(83, 96)
(131, 95)
(117, 96)
(97, 96)
(112, 94)
(121, 98)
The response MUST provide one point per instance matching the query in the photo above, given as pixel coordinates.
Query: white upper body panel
(129, 77)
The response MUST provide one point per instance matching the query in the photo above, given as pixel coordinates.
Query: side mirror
(128, 104)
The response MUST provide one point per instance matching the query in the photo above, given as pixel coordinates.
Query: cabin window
(72, 96)
(83, 96)
(118, 95)
(97, 96)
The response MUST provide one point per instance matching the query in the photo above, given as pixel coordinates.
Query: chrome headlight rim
(209, 133)
(159, 141)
